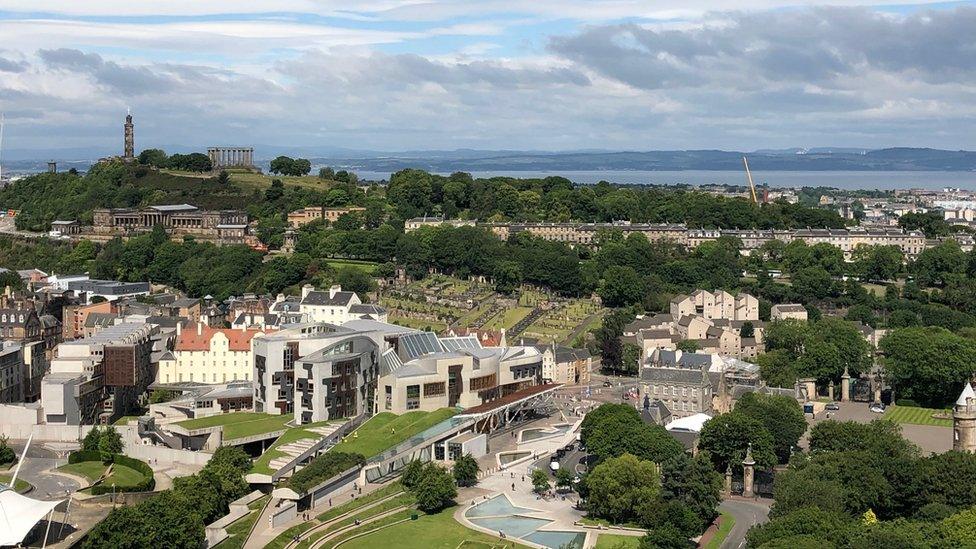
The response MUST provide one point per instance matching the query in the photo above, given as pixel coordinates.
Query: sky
(554, 75)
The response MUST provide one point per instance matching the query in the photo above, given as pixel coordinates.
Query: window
(684, 391)
(674, 391)
(434, 389)
(413, 397)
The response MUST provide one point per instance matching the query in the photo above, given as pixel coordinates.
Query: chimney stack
(199, 328)
(306, 289)
(334, 290)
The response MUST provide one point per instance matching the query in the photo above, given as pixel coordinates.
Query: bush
(466, 470)
(906, 402)
(435, 489)
(86, 455)
(323, 468)
(7, 454)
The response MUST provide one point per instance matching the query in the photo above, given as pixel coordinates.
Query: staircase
(297, 448)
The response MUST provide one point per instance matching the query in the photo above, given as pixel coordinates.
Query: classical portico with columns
(231, 157)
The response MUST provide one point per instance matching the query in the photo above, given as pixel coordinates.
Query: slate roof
(671, 375)
(367, 309)
(322, 298)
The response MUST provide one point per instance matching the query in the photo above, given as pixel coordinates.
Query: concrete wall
(284, 514)
(45, 433)
(320, 495)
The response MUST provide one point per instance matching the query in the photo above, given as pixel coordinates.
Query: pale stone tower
(964, 421)
(748, 474)
(129, 152)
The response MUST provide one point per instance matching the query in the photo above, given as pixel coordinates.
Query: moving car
(833, 406)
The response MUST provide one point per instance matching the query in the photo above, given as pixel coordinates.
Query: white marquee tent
(18, 514)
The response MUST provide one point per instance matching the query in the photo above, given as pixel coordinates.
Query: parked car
(607, 383)
(833, 406)
(877, 408)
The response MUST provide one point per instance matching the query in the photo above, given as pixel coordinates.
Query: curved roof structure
(19, 514)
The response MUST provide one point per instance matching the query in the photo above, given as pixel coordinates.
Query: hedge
(147, 484)
(323, 468)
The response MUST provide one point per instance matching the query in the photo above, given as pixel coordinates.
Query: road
(35, 470)
(746, 514)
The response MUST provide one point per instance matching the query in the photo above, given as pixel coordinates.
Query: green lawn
(439, 531)
(238, 530)
(509, 317)
(915, 416)
(385, 430)
(21, 486)
(360, 502)
(723, 532)
(261, 465)
(92, 470)
(124, 420)
(239, 424)
(614, 541)
(368, 266)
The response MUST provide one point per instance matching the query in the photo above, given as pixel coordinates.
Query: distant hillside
(823, 159)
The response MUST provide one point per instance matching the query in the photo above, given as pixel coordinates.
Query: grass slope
(121, 475)
(437, 531)
(723, 532)
(238, 530)
(239, 424)
(386, 430)
(262, 464)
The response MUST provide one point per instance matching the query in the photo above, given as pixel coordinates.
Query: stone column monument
(830, 390)
(748, 474)
(129, 149)
(845, 386)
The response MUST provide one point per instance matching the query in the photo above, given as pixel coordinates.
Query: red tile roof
(238, 340)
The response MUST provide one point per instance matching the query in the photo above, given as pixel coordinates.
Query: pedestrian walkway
(263, 533)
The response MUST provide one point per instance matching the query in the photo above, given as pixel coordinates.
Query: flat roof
(507, 400)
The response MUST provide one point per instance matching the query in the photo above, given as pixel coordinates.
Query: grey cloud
(129, 80)
(7, 65)
(813, 46)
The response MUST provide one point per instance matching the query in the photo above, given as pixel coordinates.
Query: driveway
(36, 469)
(747, 513)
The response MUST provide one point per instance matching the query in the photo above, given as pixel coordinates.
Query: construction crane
(752, 186)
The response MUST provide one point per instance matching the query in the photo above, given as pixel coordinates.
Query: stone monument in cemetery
(239, 158)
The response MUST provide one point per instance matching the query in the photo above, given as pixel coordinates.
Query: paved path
(37, 469)
(747, 513)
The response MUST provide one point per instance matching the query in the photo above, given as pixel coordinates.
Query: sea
(775, 179)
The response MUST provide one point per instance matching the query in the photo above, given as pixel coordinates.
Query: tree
(281, 165)
(540, 481)
(687, 346)
(928, 365)
(412, 473)
(162, 521)
(162, 395)
(90, 442)
(466, 470)
(939, 264)
(619, 485)
(748, 329)
(878, 262)
(616, 429)
(223, 178)
(153, 157)
(781, 415)
(622, 286)
(327, 173)
(727, 436)
(435, 489)
(777, 369)
(694, 483)
(667, 536)
(564, 478)
(110, 441)
(959, 530)
(7, 454)
(833, 525)
(355, 280)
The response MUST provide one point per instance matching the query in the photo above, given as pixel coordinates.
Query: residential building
(679, 380)
(432, 221)
(208, 355)
(75, 316)
(565, 365)
(336, 306)
(300, 217)
(99, 378)
(784, 311)
(11, 370)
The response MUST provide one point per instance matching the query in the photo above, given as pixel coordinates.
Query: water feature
(513, 526)
(504, 458)
(557, 539)
(496, 506)
(537, 433)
